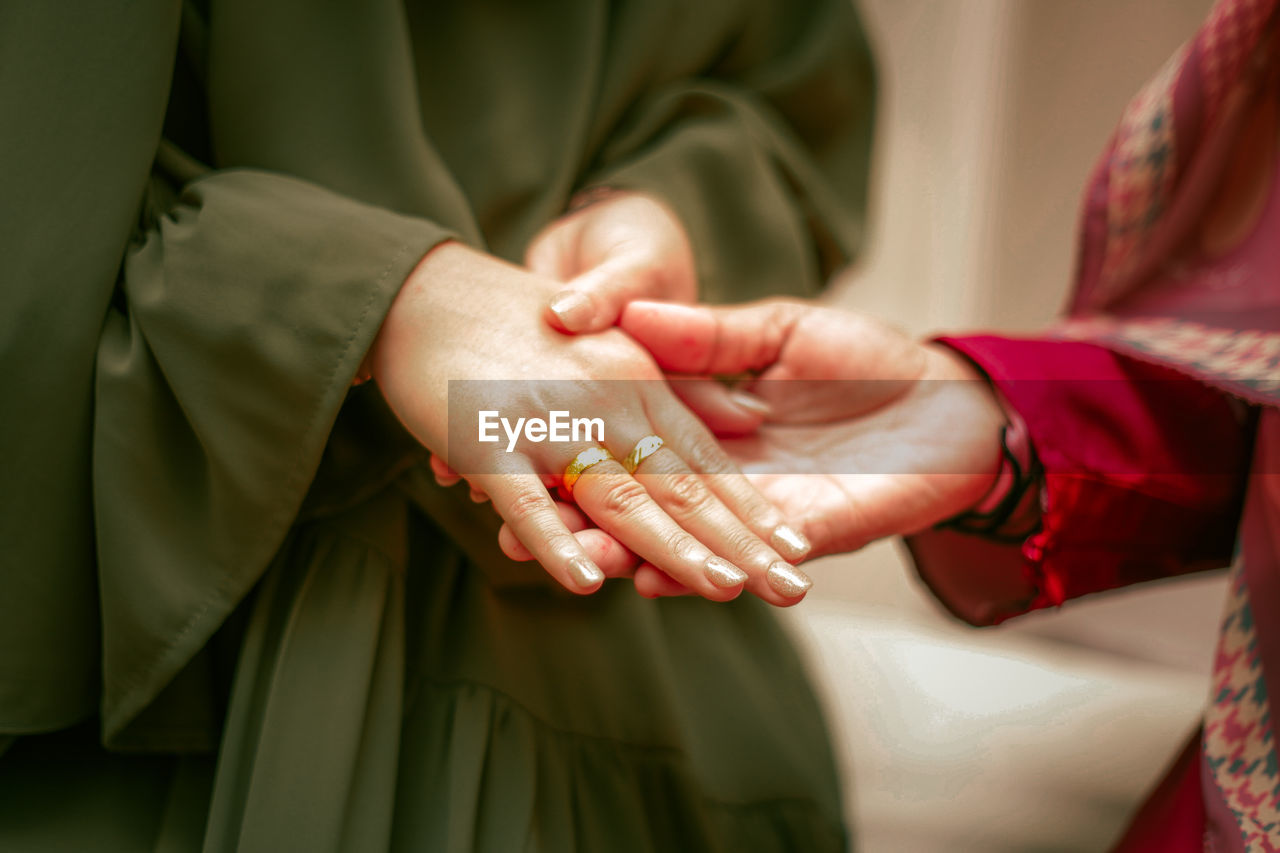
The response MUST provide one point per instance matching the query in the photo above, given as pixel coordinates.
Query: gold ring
(644, 448)
(581, 462)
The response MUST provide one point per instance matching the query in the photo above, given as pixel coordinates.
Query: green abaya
(235, 612)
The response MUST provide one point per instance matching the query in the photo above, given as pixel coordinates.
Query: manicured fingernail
(750, 402)
(573, 308)
(788, 580)
(585, 573)
(789, 542)
(723, 573)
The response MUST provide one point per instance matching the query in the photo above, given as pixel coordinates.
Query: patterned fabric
(1141, 178)
(1245, 362)
(1238, 743)
(1149, 191)
(1225, 41)
(1143, 175)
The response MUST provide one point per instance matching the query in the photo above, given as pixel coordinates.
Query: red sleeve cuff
(1143, 479)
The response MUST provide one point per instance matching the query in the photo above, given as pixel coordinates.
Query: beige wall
(993, 112)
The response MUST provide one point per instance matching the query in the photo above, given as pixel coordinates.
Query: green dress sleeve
(243, 315)
(763, 155)
(180, 346)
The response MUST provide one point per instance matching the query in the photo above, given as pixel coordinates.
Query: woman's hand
(871, 434)
(463, 315)
(863, 434)
(623, 246)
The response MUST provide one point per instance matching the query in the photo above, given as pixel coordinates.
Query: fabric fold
(246, 312)
(307, 760)
(764, 161)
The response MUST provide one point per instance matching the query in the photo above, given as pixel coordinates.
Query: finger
(444, 475)
(609, 554)
(523, 502)
(511, 545)
(853, 364)
(619, 504)
(652, 582)
(594, 300)
(554, 252)
(702, 339)
(701, 490)
(726, 411)
(695, 506)
(773, 578)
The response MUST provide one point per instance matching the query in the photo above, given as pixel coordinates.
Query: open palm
(869, 434)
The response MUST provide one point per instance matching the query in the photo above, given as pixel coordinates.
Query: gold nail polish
(788, 580)
(724, 574)
(750, 402)
(789, 542)
(570, 305)
(585, 573)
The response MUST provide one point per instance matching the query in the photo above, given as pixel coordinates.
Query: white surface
(963, 740)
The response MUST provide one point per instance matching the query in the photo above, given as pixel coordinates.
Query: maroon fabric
(1144, 477)
(1144, 471)
(1173, 819)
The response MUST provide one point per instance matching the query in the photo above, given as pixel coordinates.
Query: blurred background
(1043, 734)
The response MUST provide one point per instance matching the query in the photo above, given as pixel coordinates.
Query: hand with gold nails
(686, 509)
(613, 246)
(858, 430)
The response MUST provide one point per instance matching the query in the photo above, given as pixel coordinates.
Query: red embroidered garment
(1134, 408)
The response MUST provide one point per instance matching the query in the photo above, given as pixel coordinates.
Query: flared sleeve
(241, 319)
(763, 155)
(179, 343)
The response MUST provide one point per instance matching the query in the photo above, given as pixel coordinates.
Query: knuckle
(685, 493)
(682, 544)
(742, 542)
(776, 328)
(624, 497)
(705, 456)
(527, 507)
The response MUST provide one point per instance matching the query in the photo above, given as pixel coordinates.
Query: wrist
(1009, 509)
(452, 289)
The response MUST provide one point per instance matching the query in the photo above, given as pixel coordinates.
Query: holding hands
(867, 434)
(686, 510)
(870, 434)
(848, 429)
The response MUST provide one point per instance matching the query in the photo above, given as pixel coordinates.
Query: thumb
(727, 412)
(701, 339)
(592, 301)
